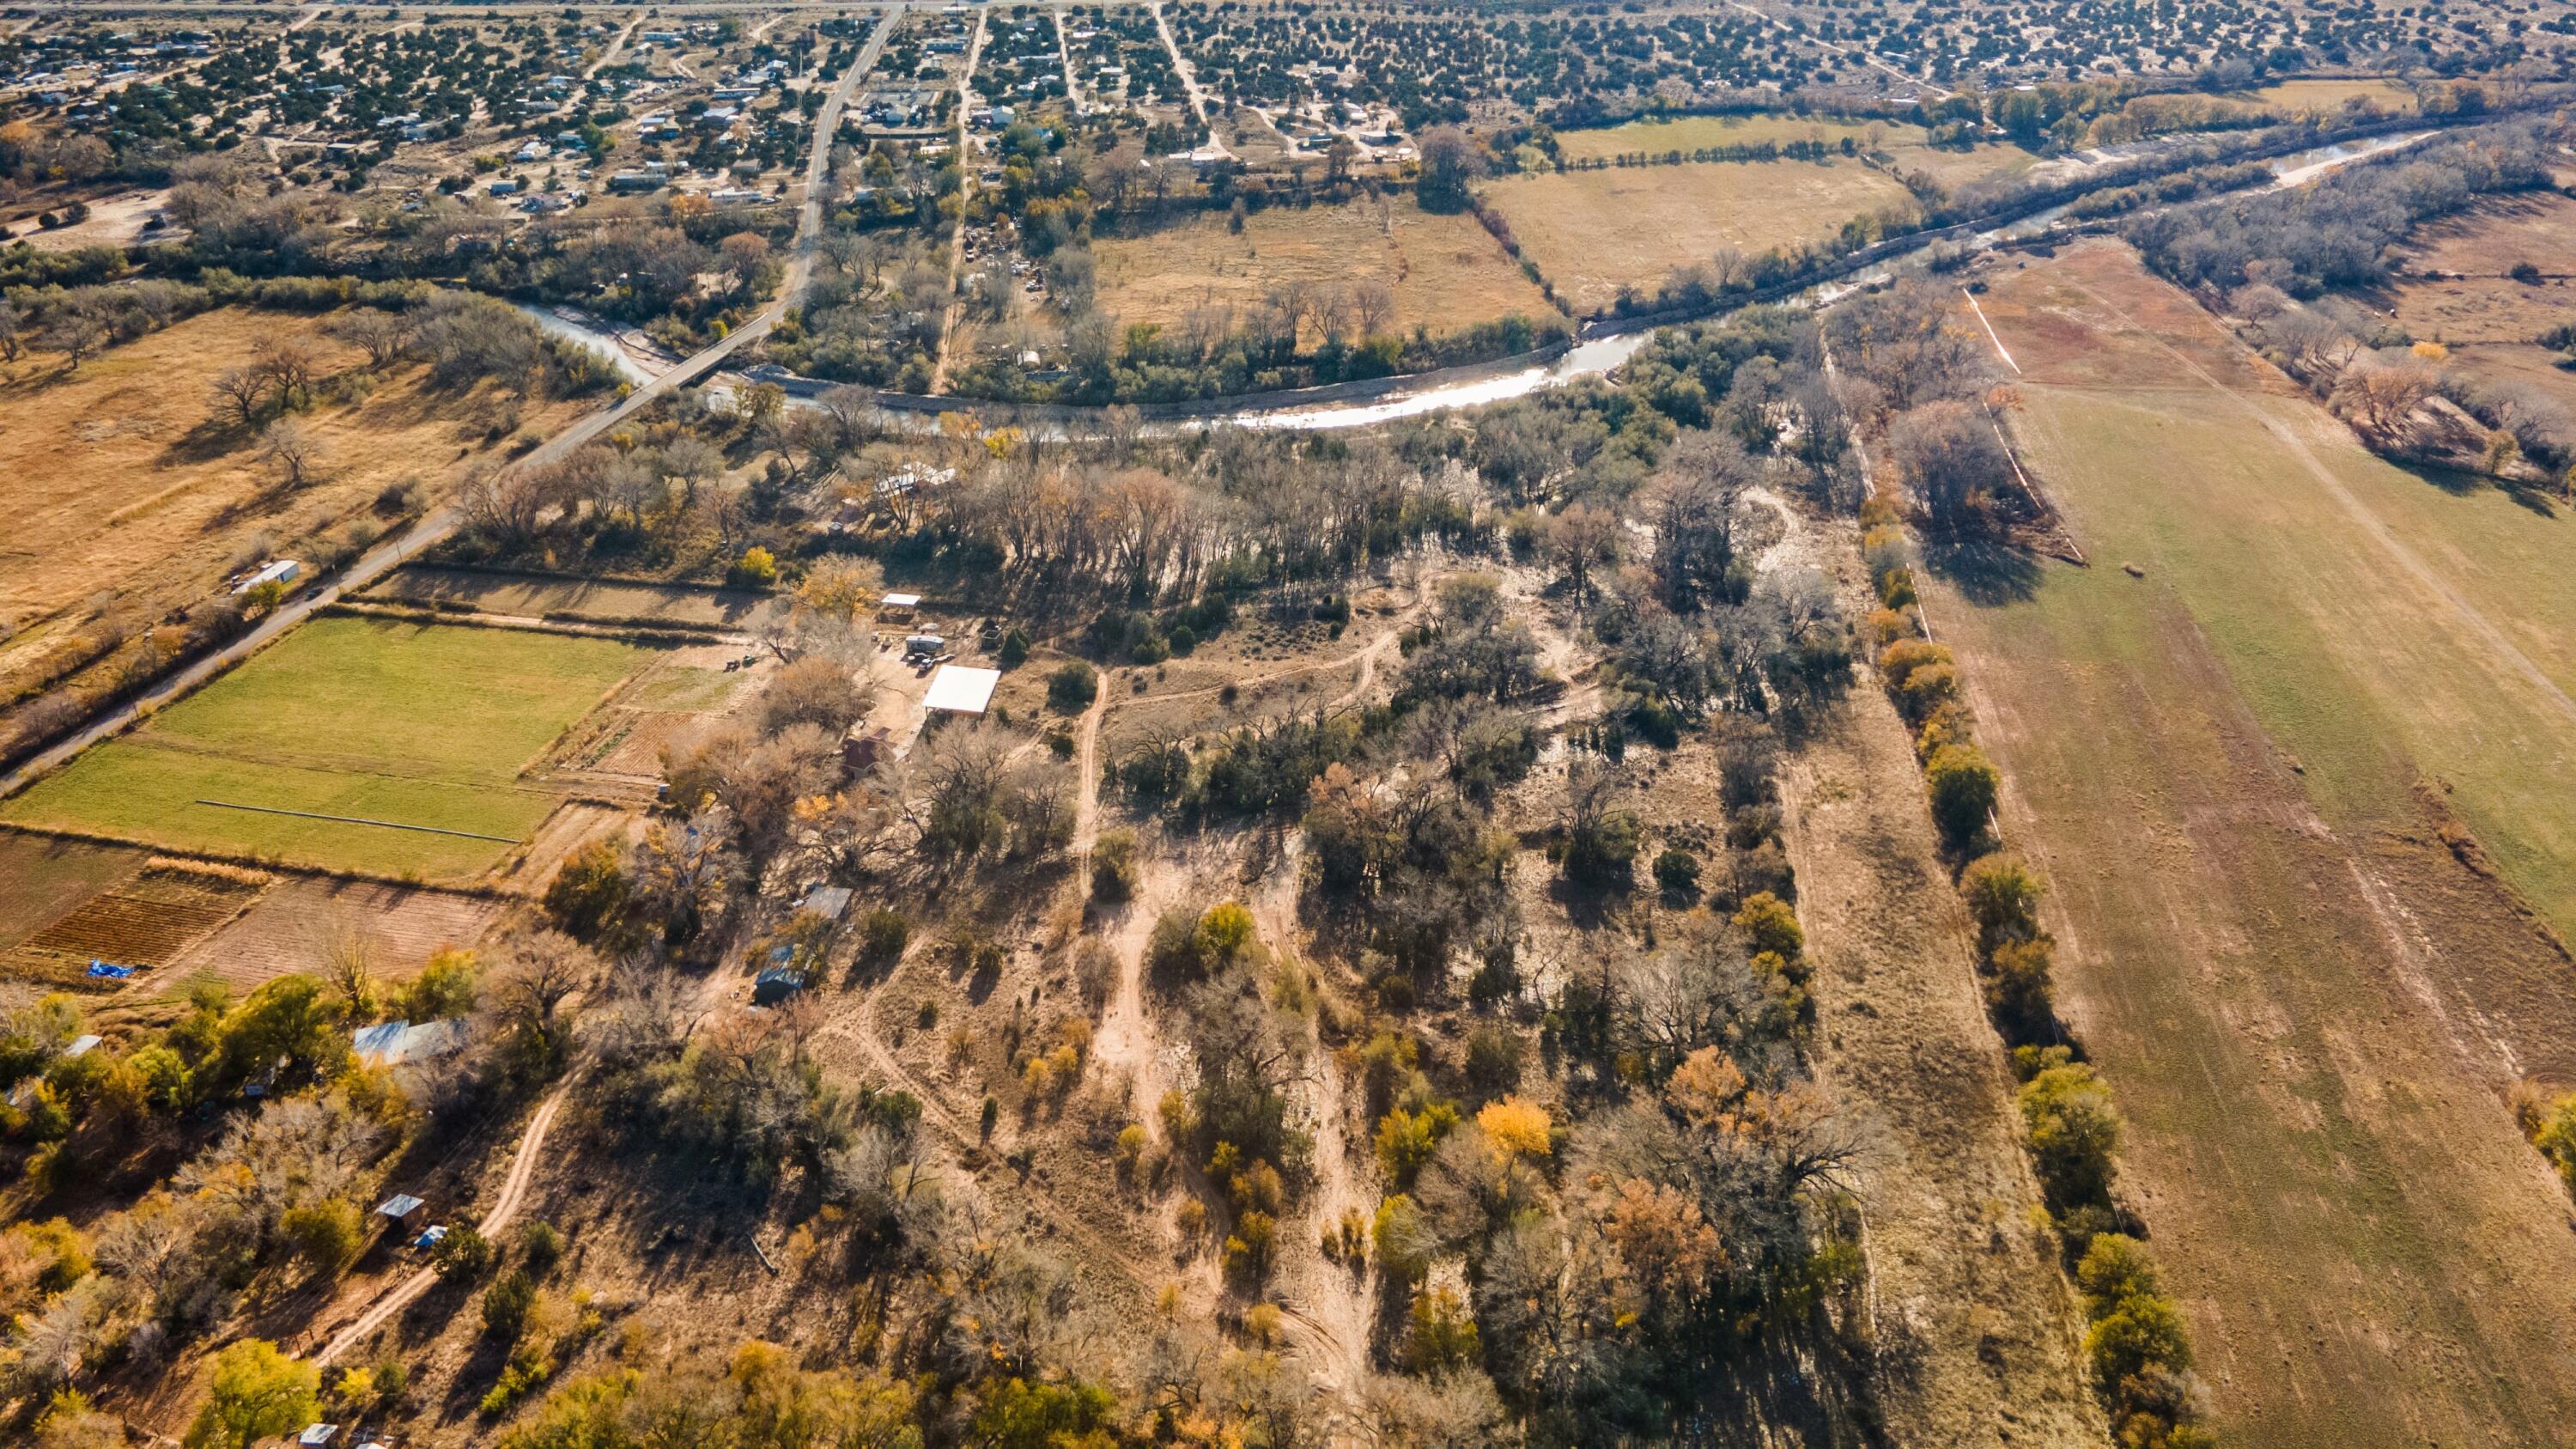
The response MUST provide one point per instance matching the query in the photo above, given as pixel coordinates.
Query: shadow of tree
(1987, 572)
(2460, 484)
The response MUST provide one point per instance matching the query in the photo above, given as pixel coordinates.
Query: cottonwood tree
(541, 972)
(1699, 514)
(293, 449)
(2380, 399)
(291, 365)
(1451, 161)
(77, 334)
(385, 335)
(1952, 462)
(242, 389)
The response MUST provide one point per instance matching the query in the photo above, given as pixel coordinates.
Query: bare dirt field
(43, 877)
(1594, 233)
(2310, 1010)
(290, 925)
(141, 923)
(1444, 270)
(113, 221)
(2475, 301)
(120, 478)
(531, 596)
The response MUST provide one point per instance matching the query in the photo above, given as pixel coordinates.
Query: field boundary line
(358, 820)
(2000, 350)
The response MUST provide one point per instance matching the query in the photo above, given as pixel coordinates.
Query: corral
(422, 729)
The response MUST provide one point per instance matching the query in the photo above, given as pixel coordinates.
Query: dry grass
(1690, 133)
(2310, 1011)
(1904, 144)
(1594, 233)
(2326, 97)
(119, 477)
(1444, 270)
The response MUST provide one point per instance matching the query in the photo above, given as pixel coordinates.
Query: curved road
(514, 1190)
(437, 524)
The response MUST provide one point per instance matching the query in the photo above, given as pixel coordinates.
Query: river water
(1596, 358)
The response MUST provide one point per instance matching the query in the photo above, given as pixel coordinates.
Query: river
(1596, 358)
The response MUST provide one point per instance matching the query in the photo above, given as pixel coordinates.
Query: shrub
(2003, 894)
(1677, 873)
(463, 1255)
(1113, 866)
(256, 1392)
(2072, 1130)
(1225, 934)
(1770, 925)
(1172, 950)
(1493, 1059)
(1248, 1247)
(2551, 1125)
(1403, 1238)
(1964, 786)
(1015, 649)
(883, 934)
(2018, 991)
(1072, 686)
(543, 1247)
(327, 1235)
(1406, 1140)
(506, 1304)
(1440, 1336)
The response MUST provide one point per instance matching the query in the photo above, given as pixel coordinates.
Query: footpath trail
(439, 523)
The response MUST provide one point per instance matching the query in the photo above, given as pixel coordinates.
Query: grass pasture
(1595, 233)
(1903, 143)
(1445, 271)
(420, 726)
(2309, 1009)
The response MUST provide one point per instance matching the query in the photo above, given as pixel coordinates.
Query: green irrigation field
(408, 724)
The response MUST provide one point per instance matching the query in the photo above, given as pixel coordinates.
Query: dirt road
(504, 1209)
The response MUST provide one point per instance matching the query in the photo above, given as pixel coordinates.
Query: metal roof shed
(957, 689)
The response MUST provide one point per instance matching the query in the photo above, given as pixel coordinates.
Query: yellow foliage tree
(1515, 1128)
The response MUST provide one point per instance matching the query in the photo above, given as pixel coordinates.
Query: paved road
(437, 524)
